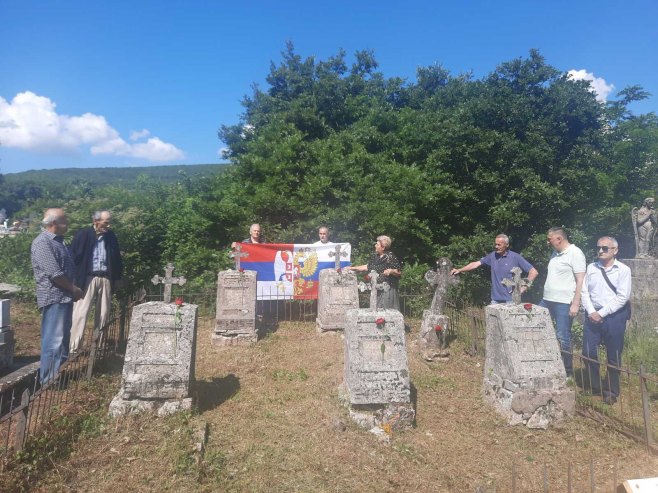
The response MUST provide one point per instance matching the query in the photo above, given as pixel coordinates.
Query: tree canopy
(441, 164)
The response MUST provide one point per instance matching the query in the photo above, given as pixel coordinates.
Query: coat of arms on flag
(288, 271)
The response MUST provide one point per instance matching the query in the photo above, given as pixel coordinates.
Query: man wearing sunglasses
(606, 294)
(564, 282)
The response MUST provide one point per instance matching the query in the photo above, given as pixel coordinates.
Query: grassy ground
(275, 425)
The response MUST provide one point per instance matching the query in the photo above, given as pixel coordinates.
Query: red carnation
(241, 269)
(380, 321)
(528, 306)
(179, 301)
(338, 270)
(438, 328)
(366, 278)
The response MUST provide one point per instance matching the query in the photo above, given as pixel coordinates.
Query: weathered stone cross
(442, 279)
(168, 280)
(374, 287)
(516, 283)
(338, 254)
(237, 254)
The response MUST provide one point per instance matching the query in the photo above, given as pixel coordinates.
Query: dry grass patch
(276, 426)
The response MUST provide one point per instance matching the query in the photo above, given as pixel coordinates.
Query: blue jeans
(560, 315)
(610, 333)
(55, 334)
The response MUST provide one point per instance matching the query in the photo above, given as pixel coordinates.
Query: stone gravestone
(6, 337)
(159, 365)
(376, 384)
(435, 323)
(168, 280)
(338, 293)
(235, 319)
(524, 378)
(373, 286)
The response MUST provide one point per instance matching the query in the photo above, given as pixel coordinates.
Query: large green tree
(441, 164)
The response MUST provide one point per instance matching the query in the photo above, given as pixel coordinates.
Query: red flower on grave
(438, 328)
(366, 278)
(241, 269)
(380, 322)
(179, 301)
(527, 306)
(339, 270)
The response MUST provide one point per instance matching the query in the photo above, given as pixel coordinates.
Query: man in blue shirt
(54, 273)
(501, 261)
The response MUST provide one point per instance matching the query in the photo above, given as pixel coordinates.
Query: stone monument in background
(644, 267)
(235, 316)
(6, 337)
(376, 385)
(338, 292)
(158, 368)
(524, 377)
(431, 340)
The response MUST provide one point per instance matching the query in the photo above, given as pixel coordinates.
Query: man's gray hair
(251, 228)
(385, 241)
(96, 216)
(611, 240)
(504, 237)
(51, 216)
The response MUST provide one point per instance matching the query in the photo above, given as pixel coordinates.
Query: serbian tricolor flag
(288, 271)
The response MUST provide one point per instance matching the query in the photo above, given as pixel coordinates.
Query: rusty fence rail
(26, 405)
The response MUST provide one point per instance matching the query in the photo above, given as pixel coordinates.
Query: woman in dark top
(388, 267)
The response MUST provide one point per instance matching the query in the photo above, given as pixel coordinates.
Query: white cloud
(136, 135)
(598, 84)
(31, 122)
(224, 152)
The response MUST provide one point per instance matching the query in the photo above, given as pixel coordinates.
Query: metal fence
(26, 405)
(636, 412)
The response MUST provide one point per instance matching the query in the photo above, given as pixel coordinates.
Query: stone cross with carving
(237, 254)
(338, 254)
(442, 279)
(516, 283)
(168, 280)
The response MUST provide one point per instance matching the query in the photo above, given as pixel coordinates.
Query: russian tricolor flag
(291, 270)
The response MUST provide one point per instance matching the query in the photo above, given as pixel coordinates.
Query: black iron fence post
(648, 432)
(21, 421)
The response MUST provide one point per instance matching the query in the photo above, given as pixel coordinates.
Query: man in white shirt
(323, 234)
(564, 282)
(606, 294)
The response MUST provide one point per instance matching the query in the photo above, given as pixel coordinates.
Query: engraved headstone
(168, 280)
(435, 323)
(524, 378)
(158, 368)
(235, 319)
(6, 337)
(337, 293)
(376, 383)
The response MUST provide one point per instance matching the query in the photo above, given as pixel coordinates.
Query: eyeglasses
(603, 249)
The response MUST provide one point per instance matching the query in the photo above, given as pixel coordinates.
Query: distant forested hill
(111, 176)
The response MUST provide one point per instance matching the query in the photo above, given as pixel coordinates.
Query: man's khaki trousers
(99, 289)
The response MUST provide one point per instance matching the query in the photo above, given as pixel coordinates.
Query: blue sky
(134, 83)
